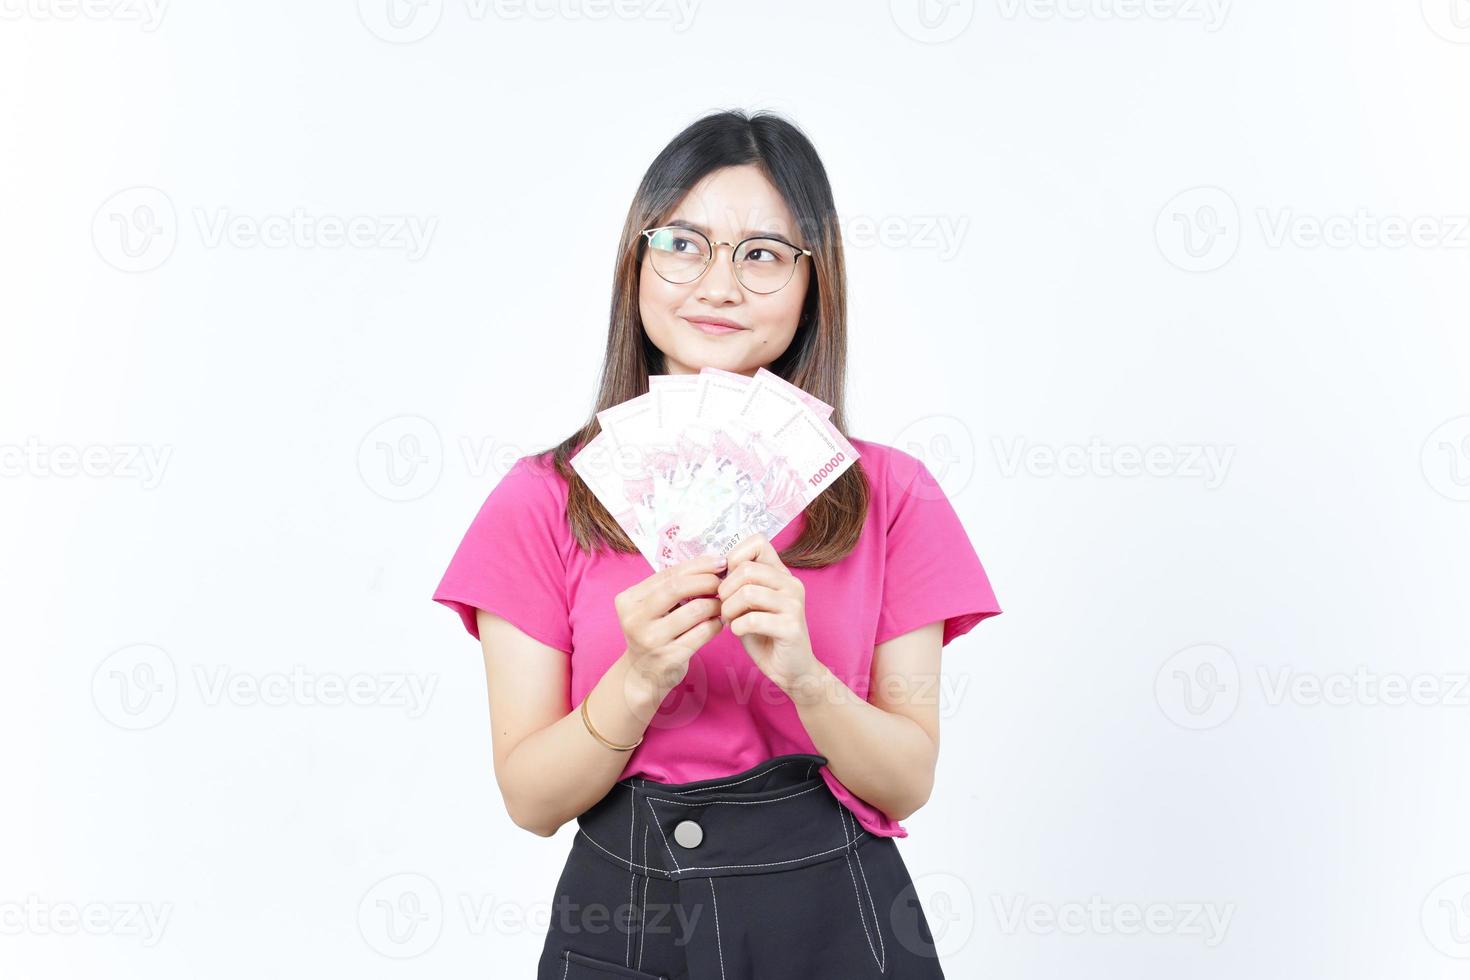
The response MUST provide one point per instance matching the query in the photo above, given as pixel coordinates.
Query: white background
(1074, 232)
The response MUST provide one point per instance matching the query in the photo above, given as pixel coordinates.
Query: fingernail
(719, 561)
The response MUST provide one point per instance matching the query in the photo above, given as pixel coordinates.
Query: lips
(714, 325)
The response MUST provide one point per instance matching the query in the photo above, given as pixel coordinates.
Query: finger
(676, 591)
(700, 634)
(654, 582)
(684, 618)
(760, 624)
(754, 597)
(752, 571)
(753, 547)
(700, 563)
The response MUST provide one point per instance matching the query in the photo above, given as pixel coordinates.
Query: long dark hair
(817, 357)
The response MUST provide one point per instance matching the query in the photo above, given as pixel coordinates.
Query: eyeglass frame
(734, 247)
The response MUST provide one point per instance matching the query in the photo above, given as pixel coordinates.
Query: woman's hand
(661, 633)
(765, 606)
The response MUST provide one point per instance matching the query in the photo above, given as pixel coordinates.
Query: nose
(718, 284)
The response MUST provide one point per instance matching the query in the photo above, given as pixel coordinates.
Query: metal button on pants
(688, 834)
(760, 874)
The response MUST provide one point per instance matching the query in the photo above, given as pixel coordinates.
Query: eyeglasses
(762, 265)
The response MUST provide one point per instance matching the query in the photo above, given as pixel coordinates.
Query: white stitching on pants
(654, 814)
(666, 873)
(878, 928)
(774, 799)
(718, 944)
(568, 960)
(632, 878)
(841, 816)
(643, 908)
(707, 789)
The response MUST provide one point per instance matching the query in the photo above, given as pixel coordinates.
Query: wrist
(642, 692)
(811, 685)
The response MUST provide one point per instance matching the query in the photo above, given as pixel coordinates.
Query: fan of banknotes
(703, 460)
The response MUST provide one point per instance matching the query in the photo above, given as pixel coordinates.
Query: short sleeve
(509, 562)
(931, 571)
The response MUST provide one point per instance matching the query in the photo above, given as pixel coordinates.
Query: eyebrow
(681, 223)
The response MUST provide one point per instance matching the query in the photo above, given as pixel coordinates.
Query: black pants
(761, 875)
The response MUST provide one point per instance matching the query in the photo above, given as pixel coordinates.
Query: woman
(742, 737)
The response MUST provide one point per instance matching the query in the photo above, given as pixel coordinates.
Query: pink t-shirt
(913, 564)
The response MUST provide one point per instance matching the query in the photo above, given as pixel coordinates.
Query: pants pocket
(580, 966)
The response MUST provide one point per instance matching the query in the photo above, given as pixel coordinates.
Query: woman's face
(727, 205)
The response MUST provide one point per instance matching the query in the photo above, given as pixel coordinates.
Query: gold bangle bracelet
(586, 720)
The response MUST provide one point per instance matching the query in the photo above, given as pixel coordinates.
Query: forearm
(884, 758)
(560, 771)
